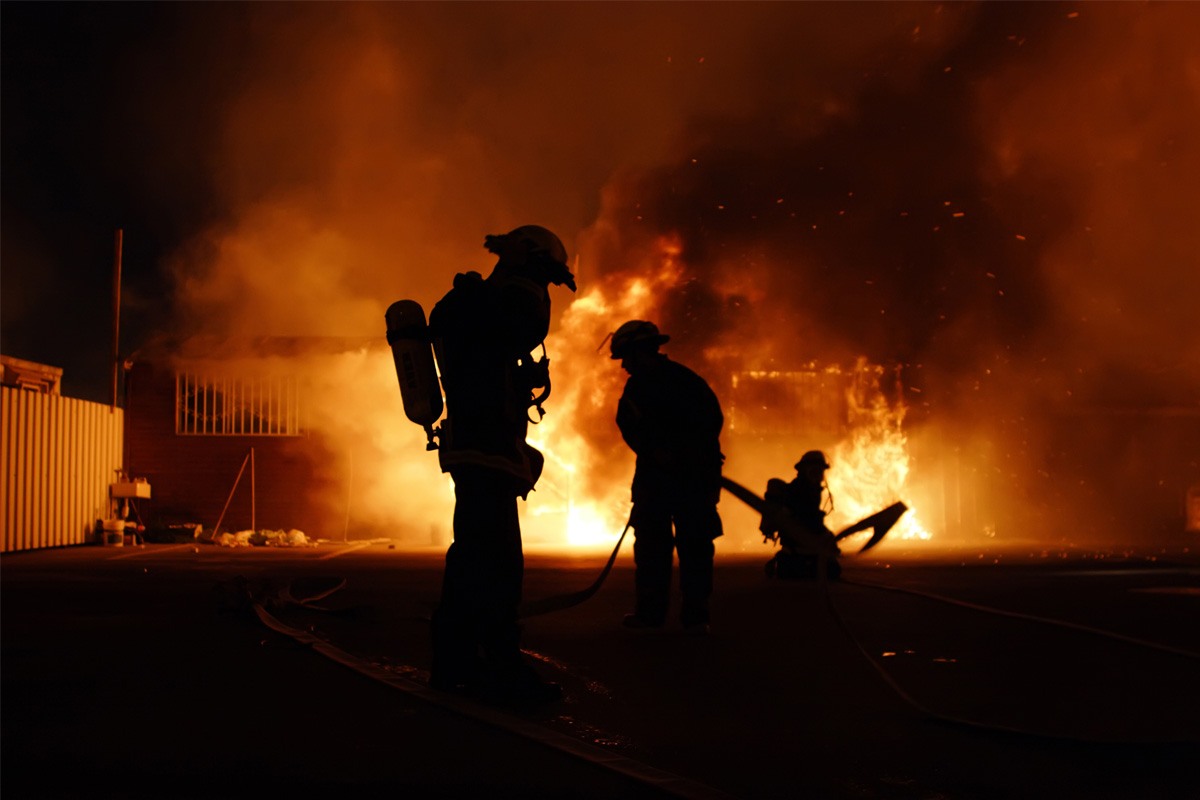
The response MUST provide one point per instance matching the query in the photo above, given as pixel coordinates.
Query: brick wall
(191, 476)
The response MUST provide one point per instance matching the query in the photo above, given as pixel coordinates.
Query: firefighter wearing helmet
(483, 332)
(795, 516)
(672, 420)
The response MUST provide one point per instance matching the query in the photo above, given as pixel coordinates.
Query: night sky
(91, 111)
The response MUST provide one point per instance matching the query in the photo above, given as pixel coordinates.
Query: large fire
(582, 501)
(393, 486)
(587, 470)
(870, 466)
(1024, 233)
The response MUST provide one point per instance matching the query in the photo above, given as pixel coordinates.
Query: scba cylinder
(412, 352)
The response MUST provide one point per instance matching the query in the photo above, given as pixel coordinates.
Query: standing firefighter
(671, 419)
(483, 331)
(795, 516)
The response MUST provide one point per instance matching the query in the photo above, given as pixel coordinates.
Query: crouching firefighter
(483, 332)
(794, 516)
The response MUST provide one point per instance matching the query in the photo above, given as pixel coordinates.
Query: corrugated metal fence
(59, 455)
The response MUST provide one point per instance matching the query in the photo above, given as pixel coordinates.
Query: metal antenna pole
(116, 351)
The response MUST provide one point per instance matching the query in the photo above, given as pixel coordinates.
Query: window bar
(289, 405)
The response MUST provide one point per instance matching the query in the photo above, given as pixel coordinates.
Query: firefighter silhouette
(794, 515)
(483, 332)
(671, 419)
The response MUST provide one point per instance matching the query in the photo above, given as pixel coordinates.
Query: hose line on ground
(963, 722)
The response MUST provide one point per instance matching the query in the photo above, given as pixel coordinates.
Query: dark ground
(132, 672)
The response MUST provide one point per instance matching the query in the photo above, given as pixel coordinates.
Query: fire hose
(559, 602)
(881, 522)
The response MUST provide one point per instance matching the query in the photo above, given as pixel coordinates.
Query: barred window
(207, 405)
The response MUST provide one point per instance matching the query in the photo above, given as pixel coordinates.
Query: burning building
(952, 245)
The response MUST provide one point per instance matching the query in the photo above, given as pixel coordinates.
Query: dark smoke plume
(995, 196)
(1007, 217)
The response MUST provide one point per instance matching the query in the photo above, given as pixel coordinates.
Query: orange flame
(869, 468)
(582, 499)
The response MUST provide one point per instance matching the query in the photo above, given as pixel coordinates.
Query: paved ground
(131, 672)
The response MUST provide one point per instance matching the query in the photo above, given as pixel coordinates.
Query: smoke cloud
(994, 196)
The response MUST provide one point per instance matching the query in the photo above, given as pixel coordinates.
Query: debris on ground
(265, 538)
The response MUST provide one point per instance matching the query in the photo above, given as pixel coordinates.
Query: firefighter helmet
(812, 458)
(536, 238)
(637, 334)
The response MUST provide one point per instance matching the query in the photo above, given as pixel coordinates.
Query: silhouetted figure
(672, 420)
(483, 331)
(795, 516)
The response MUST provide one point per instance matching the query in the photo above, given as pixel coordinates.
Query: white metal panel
(58, 455)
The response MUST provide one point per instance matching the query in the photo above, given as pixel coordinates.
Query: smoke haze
(998, 197)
